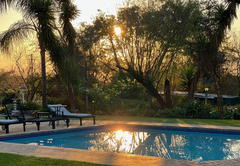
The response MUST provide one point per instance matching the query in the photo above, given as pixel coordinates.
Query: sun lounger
(18, 113)
(65, 113)
(6, 122)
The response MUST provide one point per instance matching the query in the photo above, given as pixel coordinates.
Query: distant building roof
(201, 95)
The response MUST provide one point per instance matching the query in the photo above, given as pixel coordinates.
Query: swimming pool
(188, 144)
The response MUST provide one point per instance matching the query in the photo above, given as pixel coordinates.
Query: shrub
(193, 109)
(231, 112)
(2, 110)
(30, 105)
(166, 113)
(60, 100)
(98, 101)
(179, 100)
(80, 105)
(8, 95)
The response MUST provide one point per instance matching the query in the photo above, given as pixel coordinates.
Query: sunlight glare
(119, 134)
(117, 30)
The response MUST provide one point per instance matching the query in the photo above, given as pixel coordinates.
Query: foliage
(165, 113)
(55, 100)
(127, 88)
(111, 103)
(151, 38)
(133, 107)
(100, 101)
(80, 105)
(186, 76)
(231, 112)
(8, 95)
(2, 110)
(193, 109)
(30, 105)
(179, 100)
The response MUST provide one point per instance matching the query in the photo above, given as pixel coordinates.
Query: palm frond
(16, 33)
(69, 12)
(186, 76)
(5, 4)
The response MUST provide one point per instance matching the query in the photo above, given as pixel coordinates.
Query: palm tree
(69, 70)
(4, 4)
(39, 19)
(208, 45)
(43, 23)
(186, 76)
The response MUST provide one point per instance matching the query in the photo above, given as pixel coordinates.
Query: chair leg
(67, 121)
(38, 125)
(24, 126)
(53, 124)
(7, 128)
(80, 121)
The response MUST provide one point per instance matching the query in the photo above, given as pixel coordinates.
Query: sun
(117, 30)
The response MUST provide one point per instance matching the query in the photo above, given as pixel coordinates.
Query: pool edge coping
(163, 125)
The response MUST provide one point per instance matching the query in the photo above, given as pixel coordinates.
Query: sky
(88, 8)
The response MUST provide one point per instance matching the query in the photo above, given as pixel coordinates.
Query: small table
(57, 110)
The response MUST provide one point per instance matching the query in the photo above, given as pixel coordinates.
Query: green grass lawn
(18, 160)
(219, 122)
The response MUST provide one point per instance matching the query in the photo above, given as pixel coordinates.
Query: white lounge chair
(65, 113)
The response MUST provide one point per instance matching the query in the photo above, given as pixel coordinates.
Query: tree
(215, 22)
(29, 74)
(70, 68)
(234, 49)
(39, 19)
(186, 77)
(205, 49)
(150, 40)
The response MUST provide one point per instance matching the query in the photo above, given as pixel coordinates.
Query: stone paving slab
(103, 157)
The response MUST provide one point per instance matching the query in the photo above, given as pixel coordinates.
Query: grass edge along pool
(195, 144)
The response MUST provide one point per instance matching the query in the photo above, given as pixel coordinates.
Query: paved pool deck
(106, 158)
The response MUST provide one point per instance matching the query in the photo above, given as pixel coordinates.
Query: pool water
(195, 146)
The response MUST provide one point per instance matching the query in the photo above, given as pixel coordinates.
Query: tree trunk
(167, 93)
(220, 103)
(43, 63)
(115, 55)
(155, 94)
(193, 86)
(161, 101)
(72, 99)
(148, 85)
(219, 94)
(44, 89)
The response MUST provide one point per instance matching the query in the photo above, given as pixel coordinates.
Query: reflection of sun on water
(119, 134)
(126, 141)
(119, 141)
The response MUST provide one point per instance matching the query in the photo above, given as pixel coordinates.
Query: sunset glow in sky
(88, 8)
